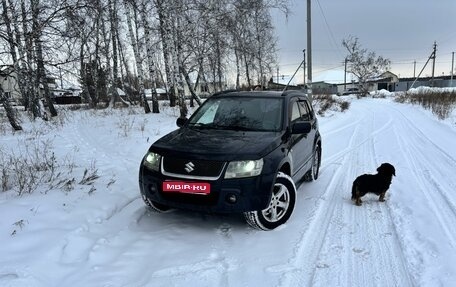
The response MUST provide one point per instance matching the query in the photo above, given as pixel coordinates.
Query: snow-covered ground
(100, 233)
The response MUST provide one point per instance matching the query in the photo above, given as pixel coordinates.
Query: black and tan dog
(373, 183)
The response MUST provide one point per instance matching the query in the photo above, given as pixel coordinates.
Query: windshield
(239, 113)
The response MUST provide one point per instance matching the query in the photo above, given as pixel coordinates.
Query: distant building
(405, 84)
(323, 88)
(385, 81)
(161, 93)
(10, 86)
(8, 82)
(391, 82)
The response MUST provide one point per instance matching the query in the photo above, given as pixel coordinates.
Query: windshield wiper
(203, 126)
(237, 128)
(219, 127)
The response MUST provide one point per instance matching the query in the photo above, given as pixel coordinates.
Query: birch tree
(137, 56)
(41, 71)
(150, 57)
(10, 39)
(175, 46)
(20, 60)
(165, 25)
(10, 114)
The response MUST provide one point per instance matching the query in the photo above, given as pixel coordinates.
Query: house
(161, 94)
(385, 81)
(204, 89)
(405, 84)
(323, 88)
(281, 84)
(65, 96)
(10, 87)
(8, 82)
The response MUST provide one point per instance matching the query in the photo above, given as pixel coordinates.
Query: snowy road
(109, 239)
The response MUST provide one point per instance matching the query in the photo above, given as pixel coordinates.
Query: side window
(301, 110)
(295, 113)
(305, 113)
(311, 111)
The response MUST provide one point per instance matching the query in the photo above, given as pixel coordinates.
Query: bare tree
(41, 78)
(3, 99)
(150, 57)
(362, 63)
(10, 113)
(20, 60)
(164, 16)
(192, 42)
(137, 55)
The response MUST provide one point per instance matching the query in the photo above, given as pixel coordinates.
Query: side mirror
(180, 122)
(301, 128)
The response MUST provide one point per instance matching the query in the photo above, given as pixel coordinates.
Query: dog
(373, 183)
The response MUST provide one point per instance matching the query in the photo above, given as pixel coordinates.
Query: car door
(308, 116)
(299, 142)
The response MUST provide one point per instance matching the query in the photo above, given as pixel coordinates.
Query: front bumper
(253, 193)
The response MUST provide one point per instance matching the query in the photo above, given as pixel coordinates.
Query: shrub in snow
(324, 103)
(441, 101)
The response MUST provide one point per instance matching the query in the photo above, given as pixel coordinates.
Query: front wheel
(154, 206)
(313, 172)
(280, 207)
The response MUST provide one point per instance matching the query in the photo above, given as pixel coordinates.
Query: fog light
(231, 198)
(153, 188)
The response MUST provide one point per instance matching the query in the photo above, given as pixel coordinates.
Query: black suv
(239, 152)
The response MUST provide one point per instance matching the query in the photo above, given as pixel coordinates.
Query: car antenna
(284, 89)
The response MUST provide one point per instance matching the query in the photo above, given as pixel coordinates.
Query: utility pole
(345, 74)
(61, 79)
(432, 56)
(433, 63)
(452, 69)
(277, 81)
(414, 68)
(309, 45)
(304, 68)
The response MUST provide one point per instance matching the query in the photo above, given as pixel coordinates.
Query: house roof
(426, 78)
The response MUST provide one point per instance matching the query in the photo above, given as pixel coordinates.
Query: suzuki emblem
(189, 167)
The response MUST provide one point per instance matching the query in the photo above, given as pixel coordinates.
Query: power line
(329, 28)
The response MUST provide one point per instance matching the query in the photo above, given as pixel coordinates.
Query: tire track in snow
(438, 201)
(422, 135)
(339, 155)
(308, 259)
(430, 162)
(301, 267)
(361, 239)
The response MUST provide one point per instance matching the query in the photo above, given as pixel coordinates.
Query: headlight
(245, 168)
(152, 161)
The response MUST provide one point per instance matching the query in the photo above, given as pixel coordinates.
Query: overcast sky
(403, 31)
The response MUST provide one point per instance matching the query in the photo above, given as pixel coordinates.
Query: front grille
(192, 168)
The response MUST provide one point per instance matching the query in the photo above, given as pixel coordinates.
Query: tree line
(107, 45)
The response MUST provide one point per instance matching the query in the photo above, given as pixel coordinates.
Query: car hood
(224, 145)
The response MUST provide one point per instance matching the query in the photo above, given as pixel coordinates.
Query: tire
(313, 172)
(154, 206)
(280, 208)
